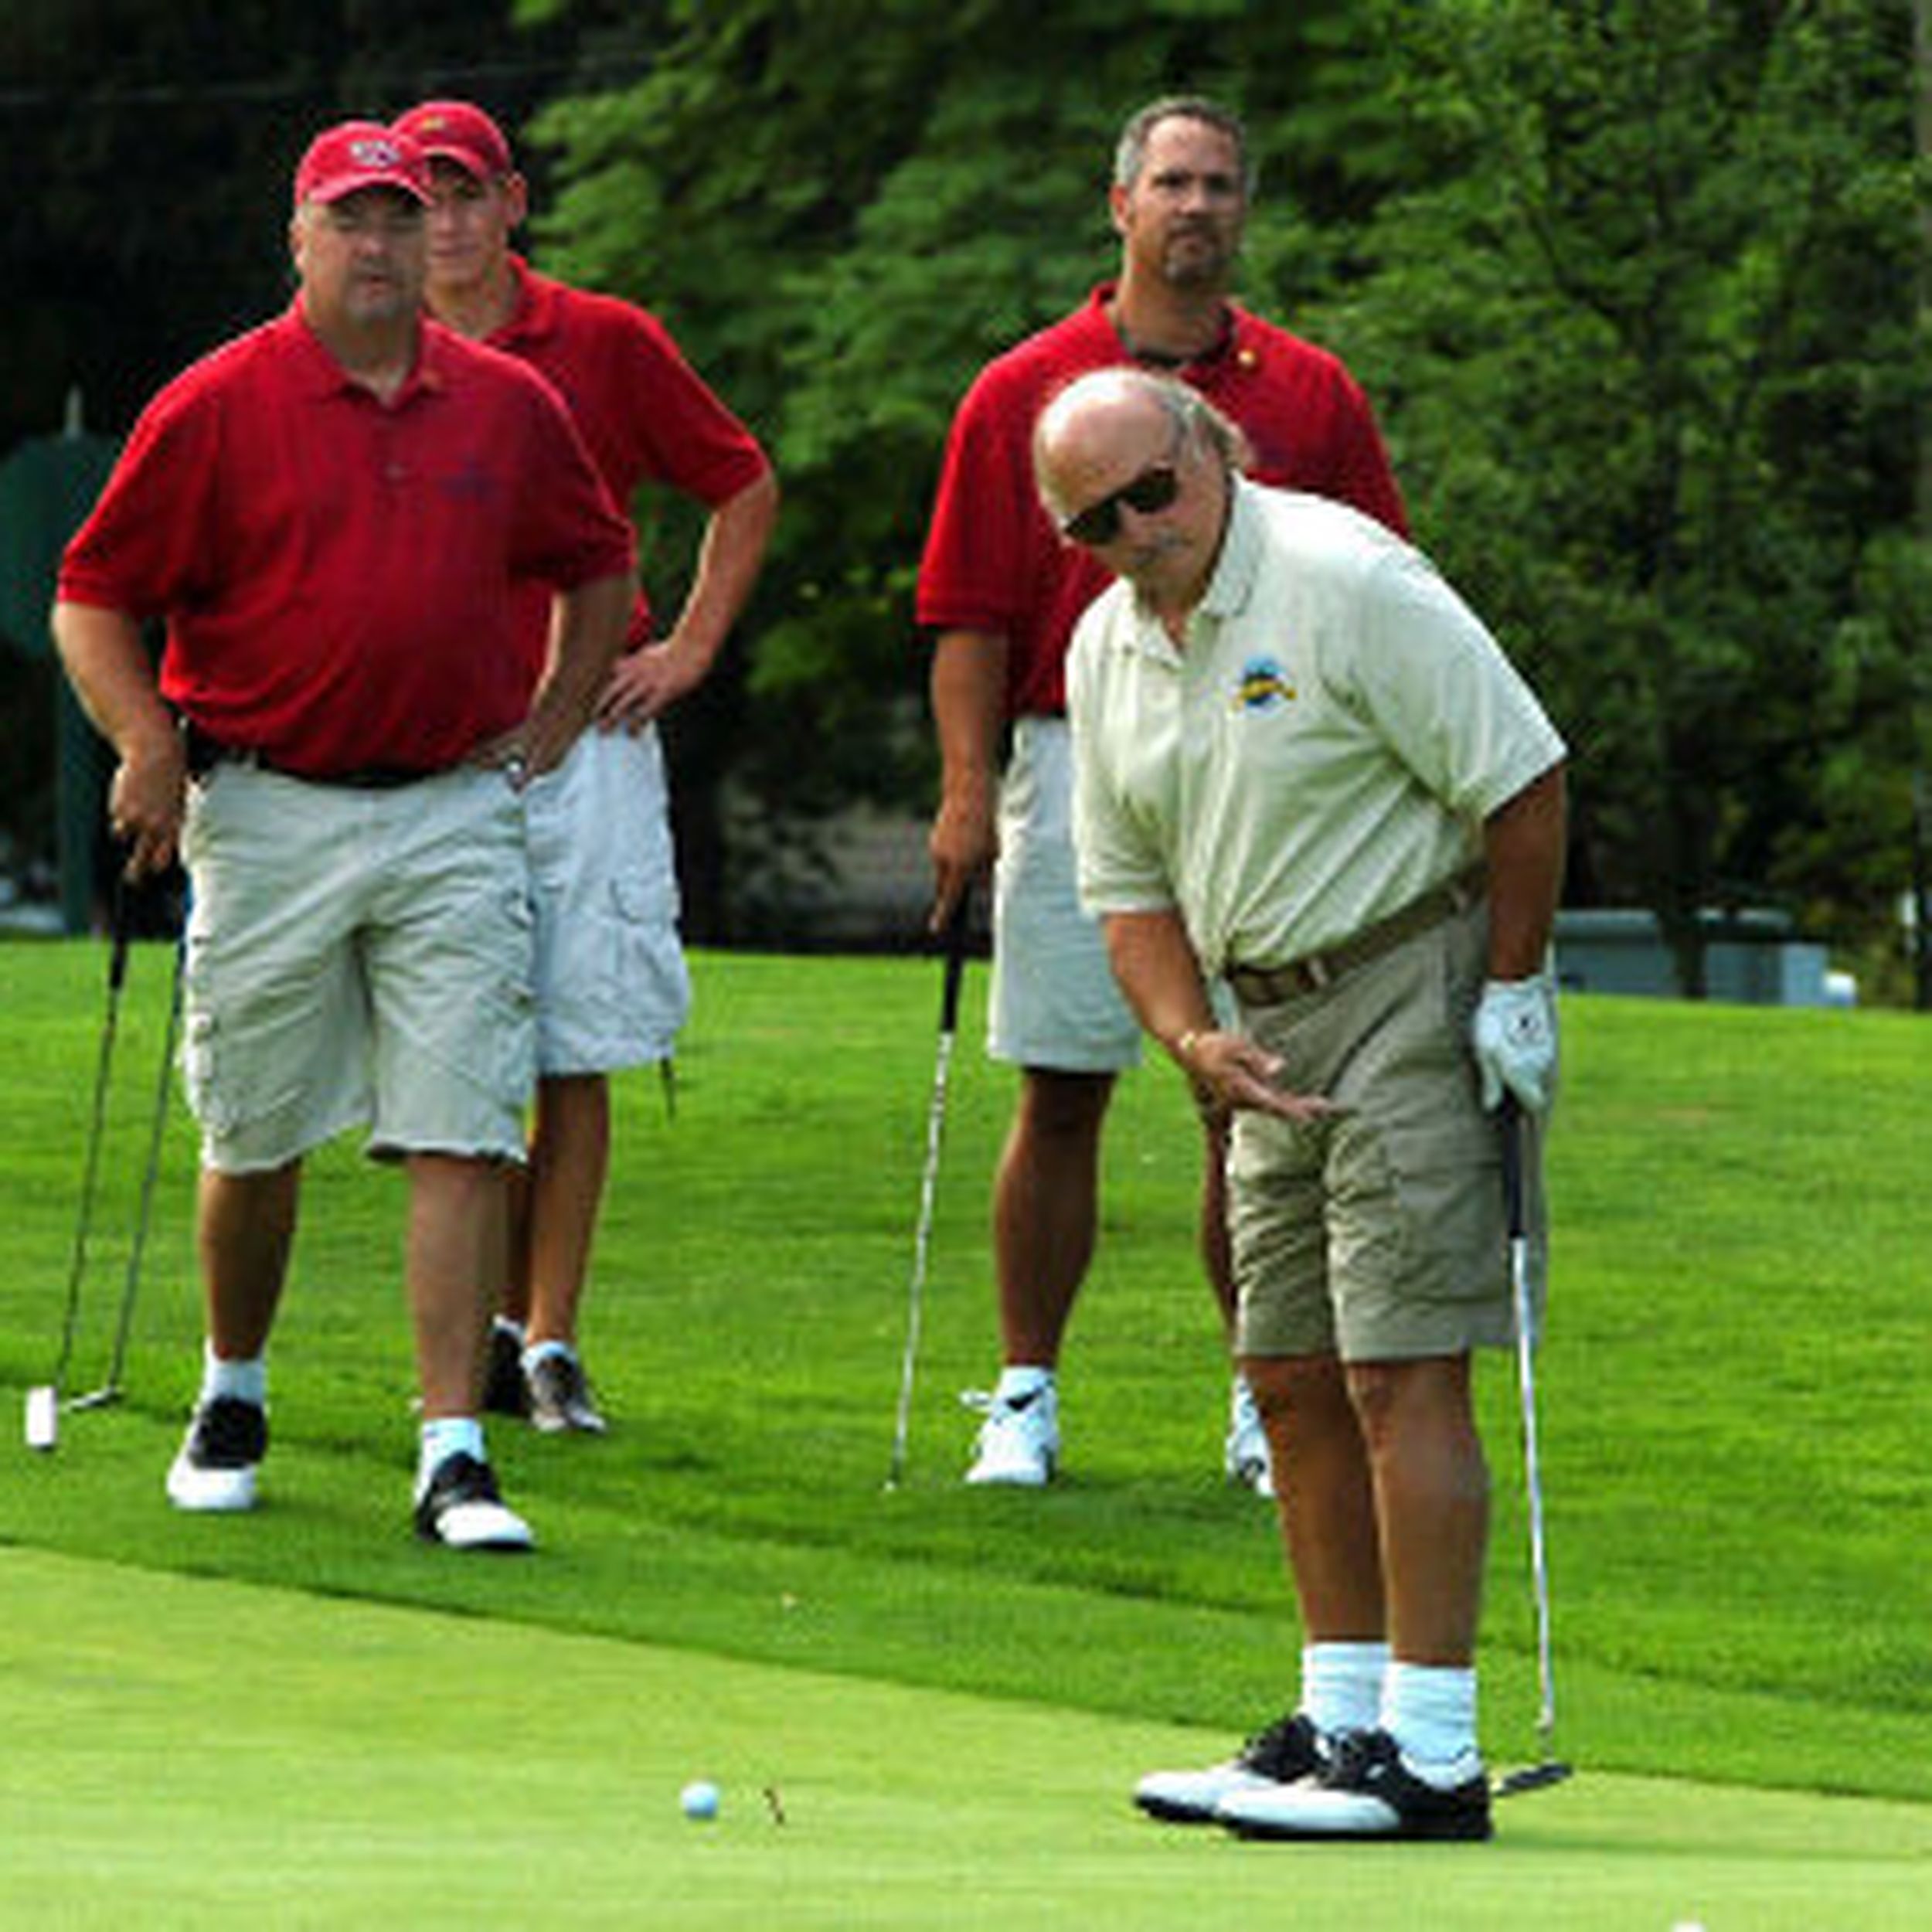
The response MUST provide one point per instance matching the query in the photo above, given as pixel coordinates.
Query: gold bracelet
(1184, 1047)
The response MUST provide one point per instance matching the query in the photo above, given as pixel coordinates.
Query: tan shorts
(612, 988)
(356, 957)
(1381, 1235)
(1052, 1002)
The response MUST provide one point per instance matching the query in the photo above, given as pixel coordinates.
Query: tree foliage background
(1632, 283)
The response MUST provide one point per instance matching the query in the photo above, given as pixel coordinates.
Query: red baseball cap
(361, 153)
(456, 130)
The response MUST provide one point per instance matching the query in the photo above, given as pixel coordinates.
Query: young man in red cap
(612, 988)
(331, 512)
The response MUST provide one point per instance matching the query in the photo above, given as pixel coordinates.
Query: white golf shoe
(1019, 1441)
(214, 1472)
(460, 1509)
(1288, 1751)
(1367, 1791)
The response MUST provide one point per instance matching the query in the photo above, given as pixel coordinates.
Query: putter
(43, 1403)
(1550, 1769)
(109, 1390)
(954, 942)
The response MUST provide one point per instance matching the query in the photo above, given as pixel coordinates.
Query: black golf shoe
(504, 1390)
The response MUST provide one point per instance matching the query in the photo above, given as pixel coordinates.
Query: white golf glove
(1514, 1035)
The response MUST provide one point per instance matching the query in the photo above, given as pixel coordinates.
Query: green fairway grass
(193, 1753)
(1733, 1397)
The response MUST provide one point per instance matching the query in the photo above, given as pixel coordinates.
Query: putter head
(43, 1417)
(1531, 1778)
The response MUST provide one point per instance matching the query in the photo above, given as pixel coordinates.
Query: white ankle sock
(1429, 1710)
(246, 1381)
(544, 1351)
(444, 1437)
(1342, 1686)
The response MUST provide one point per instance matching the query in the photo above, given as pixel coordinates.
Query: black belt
(205, 752)
(1269, 985)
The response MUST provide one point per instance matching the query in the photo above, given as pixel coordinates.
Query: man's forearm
(969, 705)
(1153, 961)
(1523, 843)
(108, 667)
(729, 560)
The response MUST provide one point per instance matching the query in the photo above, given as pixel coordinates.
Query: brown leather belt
(1269, 985)
(205, 752)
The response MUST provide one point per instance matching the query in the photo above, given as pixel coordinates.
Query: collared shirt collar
(533, 312)
(320, 374)
(1237, 340)
(1232, 582)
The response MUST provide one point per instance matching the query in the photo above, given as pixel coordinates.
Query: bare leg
(1432, 1498)
(513, 1299)
(1046, 1208)
(1217, 1246)
(569, 1158)
(246, 1227)
(1324, 1495)
(456, 1231)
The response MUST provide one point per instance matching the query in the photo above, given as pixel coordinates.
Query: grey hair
(1130, 152)
(1197, 424)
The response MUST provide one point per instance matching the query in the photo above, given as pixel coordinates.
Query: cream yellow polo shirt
(1324, 750)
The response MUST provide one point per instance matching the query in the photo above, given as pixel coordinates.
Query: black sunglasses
(1154, 489)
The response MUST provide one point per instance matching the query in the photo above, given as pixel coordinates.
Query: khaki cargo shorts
(612, 986)
(356, 958)
(1381, 1235)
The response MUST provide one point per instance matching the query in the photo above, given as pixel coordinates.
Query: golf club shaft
(116, 978)
(1514, 1130)
(144, 1214)
(954, 942)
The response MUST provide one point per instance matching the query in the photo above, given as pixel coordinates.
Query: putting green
(184, 1751)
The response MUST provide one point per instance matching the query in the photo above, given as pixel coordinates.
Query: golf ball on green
(698, 1799)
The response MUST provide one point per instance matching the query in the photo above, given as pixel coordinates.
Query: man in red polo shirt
(611, 985)
(1002, 590)
(331, 512)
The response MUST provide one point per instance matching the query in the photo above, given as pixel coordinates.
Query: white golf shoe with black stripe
(214, 1472)
(1289, 1750)
(461, 1508)
(1367, 1792)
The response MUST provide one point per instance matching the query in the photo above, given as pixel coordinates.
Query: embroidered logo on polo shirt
(1261, 686)
(470, 481)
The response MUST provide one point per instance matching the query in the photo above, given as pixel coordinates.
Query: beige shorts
(1053, 1001)
(356, 958)
(1380, 1235)
(612, 988)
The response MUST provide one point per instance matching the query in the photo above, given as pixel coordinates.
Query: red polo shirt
(336, 572)
(645, 414)
(993, 561)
